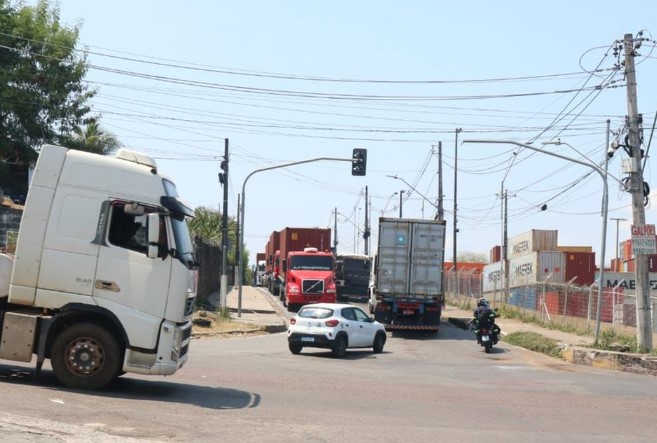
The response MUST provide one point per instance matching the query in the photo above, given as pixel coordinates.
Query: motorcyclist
(484, 317)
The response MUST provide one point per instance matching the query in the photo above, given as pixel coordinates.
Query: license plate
(408, 312)
(307, 338)
(485, 338)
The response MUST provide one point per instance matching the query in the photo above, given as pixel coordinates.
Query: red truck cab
(309, 278)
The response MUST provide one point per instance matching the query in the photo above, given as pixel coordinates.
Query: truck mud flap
(434, 328)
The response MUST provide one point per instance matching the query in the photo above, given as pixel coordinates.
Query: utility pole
(223, 179)
(615, 269)
(335, 231)
(456, 147)
(238, 251)
(366, 232)
(644, 332)
(505, 247)
(401, 194)
(441, 213)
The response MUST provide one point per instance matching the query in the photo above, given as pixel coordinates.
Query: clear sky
(292, 80)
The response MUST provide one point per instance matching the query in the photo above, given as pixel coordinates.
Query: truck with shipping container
(306, 267)
(352, 276)
(102, 280)
(271, 263)
(406, 286)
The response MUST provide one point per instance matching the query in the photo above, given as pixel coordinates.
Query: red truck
(306, 271)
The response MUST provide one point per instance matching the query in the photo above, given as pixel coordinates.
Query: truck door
(126, 276)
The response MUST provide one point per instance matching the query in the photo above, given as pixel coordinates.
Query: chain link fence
(566, 305)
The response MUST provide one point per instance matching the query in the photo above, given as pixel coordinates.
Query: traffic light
(359, 161)
(223, 175)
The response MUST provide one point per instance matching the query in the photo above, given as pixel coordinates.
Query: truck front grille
(312, 286)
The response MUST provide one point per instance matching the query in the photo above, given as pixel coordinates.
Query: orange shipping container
(495, 254)
(575, 248)
(627, 250)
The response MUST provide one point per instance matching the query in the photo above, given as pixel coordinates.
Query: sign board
(644, 241)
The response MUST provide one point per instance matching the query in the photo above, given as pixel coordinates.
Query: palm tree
(206, 224)
(92, 139)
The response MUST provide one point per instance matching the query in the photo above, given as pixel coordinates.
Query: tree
(473, 257)
(92, 139)
(42, 94)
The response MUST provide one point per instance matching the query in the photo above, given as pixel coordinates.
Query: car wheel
(379, 342)
(295, 349)
(339, 346)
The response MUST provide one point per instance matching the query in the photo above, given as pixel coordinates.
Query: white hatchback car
(334, 326)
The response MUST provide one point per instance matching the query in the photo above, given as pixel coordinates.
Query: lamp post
(401, 194)
(603, 175)
(242, 221)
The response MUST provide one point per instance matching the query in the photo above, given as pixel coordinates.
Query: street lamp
(401, 194)
(603, 175)
(385, 208)
(413, 188)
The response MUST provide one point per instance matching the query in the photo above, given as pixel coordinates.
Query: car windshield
(312, 262)
(311, 312)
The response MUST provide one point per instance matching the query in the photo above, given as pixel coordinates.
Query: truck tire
(85, 356)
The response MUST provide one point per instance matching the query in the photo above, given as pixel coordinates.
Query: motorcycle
(487, 339)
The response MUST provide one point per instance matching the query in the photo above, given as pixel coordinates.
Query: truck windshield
(357, 266)
(312, 262)
(184, 246)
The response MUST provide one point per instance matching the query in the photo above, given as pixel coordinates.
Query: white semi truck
(102, 281)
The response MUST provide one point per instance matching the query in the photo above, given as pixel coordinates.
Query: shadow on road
(139, 389)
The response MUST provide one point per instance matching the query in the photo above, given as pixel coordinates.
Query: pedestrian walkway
(256, 306)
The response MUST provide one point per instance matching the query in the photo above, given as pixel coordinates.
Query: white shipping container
(536, 267)
(493, 277)
(410, 257)
(626, 281)
(532, 241)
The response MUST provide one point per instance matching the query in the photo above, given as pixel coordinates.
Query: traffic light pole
(223, 283)
(243, 204)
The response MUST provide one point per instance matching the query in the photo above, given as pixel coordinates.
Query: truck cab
(309, 278)
(102, 282)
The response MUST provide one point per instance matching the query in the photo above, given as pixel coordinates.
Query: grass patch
(611, 340)
(534, 342)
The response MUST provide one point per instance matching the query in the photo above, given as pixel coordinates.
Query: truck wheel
(85, 356)
(339, 346)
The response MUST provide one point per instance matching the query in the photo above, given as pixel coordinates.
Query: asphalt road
(422, 388)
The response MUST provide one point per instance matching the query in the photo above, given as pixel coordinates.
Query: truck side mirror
(153, 235)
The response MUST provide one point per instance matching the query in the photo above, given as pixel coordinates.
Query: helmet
(482, 302)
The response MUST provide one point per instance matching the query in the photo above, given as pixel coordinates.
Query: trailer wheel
(85, 356)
